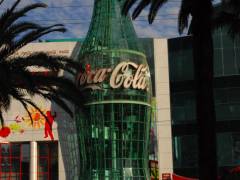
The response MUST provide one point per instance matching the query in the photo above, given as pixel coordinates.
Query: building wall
(183, 107)
(163, 109)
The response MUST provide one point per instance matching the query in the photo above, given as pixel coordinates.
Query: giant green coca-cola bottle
(115, 78)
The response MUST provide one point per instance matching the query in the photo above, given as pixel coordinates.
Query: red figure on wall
(48, 125)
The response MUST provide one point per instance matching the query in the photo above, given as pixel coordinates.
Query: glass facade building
(227, 103)
(115, 80)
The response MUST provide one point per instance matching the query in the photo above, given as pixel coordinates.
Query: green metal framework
(114, 136)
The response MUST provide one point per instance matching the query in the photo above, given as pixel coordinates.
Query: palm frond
(15, 5)
(1, 2)
(61, 87)
(26, 102)
(140, 7)
(35, 34)
(5, 101)
(222, 19)
(71, 94)
(30, 102)
(44, 93)
(127, 5)
(1, 119)
(22, 84)
(232, 5)
(8, 12)
(61, 103)
(26, 109)
(60, 96)
(155, 6)
(19, 97)
(184, 13)
(10, 17)
(29, 37)
(4, 93)
(229, 17)
(53, 63)
(15, 30)
(69, 86)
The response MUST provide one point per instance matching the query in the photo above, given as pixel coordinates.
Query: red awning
(177, 177)
(235, 170)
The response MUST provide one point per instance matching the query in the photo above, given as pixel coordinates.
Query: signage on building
(126, 74)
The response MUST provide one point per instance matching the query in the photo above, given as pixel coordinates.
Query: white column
(61, 168)
(33, 160)
(164, 128)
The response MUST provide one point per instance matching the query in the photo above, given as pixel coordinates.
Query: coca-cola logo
(125, 74)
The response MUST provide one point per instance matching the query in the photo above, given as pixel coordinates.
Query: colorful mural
(16, 127)
(21, 123)
(38, 119)
(4, 132)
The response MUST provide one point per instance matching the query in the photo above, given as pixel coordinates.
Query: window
(185, 151)
(14, 161)
(47, 161)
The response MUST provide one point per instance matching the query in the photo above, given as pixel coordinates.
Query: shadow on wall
(68, 139)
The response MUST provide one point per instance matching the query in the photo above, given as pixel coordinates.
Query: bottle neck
(109, 29)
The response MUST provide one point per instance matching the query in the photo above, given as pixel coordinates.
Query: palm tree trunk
(204, 74)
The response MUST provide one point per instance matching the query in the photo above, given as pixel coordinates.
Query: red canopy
(235, 170)
(177, 177)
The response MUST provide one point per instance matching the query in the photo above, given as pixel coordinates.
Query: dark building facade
(227, 103)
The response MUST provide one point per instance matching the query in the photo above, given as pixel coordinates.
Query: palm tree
(228, 15)
(201, 12)
(17, 81)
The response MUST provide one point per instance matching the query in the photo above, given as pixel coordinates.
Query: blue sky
(76, 15)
